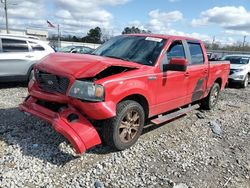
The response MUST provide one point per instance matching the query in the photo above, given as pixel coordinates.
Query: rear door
(38, 50)
(197, 71)
(15, 57)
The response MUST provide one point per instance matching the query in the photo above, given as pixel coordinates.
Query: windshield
(67, 49)
(238, 60)
(139, 49)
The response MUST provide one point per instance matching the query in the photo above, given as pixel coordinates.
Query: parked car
(77, 49)
(127, 80)
(212, 56)
(18, 54)
(239, 69)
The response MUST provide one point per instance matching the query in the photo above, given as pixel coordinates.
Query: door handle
(205, 71)
(186, 74)
(152, 78)
(29, 56)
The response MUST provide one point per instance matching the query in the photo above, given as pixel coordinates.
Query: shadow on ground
(234, 86)
(35, 138)
(12, 85)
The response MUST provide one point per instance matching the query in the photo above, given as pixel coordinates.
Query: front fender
(125, 88)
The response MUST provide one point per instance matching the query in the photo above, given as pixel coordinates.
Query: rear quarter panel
(218, 70)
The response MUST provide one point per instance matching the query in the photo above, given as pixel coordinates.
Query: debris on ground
(216, 127)
(32, 154)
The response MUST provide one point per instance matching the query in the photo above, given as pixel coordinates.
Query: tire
(211, 100)
(244, 84)
(121, 136)
(31, 75)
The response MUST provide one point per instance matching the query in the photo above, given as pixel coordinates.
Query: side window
(196, 53)
(36, 47)
(85, 50)
(176, 49)
(12, 45)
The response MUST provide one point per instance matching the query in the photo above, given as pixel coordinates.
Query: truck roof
(164, 36)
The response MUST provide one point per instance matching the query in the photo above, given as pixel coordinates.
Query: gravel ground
(202, 149)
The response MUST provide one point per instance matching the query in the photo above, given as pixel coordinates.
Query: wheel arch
(29, 71)
(142, 100)
(219, 81)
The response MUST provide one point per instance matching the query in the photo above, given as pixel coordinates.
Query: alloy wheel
(129, 126)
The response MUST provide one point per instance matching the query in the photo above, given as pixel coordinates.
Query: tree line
(97, 36)
(238, 46)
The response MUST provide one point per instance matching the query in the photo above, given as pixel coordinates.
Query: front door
(171, 90)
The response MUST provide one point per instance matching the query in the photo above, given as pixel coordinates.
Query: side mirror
(176, 64)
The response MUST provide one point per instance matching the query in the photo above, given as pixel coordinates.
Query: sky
(226, 21)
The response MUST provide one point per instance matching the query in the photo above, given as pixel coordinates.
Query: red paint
(163, 91)
(179, 61)
(81, 133)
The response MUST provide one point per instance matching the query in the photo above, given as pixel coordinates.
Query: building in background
(41, 34)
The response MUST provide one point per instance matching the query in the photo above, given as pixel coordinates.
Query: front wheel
(245, 82)
(211, 100)
(122, 131)
(31, 75)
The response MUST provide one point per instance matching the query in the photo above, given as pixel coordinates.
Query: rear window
(196, 53)
(36, 47)
(13, 45)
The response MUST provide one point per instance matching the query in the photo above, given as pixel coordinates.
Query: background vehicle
(127, 80)
(77, 49)
(18, 54)
(239, 69)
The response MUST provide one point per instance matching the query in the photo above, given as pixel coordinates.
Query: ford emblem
(50, 82)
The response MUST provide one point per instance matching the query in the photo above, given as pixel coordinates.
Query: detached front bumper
(68, 122)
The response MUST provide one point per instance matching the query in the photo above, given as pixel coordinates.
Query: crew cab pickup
(106, 97)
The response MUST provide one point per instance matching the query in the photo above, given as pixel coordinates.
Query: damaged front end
(67, 121)
(66, 91)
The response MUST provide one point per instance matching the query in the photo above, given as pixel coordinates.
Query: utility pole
(213, 42)
(244, 41)
(6, 15)
(59, 43)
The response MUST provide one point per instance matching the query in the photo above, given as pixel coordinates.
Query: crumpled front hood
(80, 66)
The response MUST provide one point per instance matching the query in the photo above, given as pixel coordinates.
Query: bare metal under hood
(80, 66)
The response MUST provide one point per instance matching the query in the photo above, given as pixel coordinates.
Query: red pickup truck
(107, 96)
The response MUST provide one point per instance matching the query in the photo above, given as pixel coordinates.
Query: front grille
(52, 83)
(232, 71)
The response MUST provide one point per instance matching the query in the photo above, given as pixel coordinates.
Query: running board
(173, 115)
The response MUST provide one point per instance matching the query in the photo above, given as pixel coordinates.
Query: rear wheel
(122, 131)
(211, 100)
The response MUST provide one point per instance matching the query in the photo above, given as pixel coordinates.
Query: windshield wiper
(124, 59)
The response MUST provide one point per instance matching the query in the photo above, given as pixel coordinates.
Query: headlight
(87, 90)
(238, 70)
